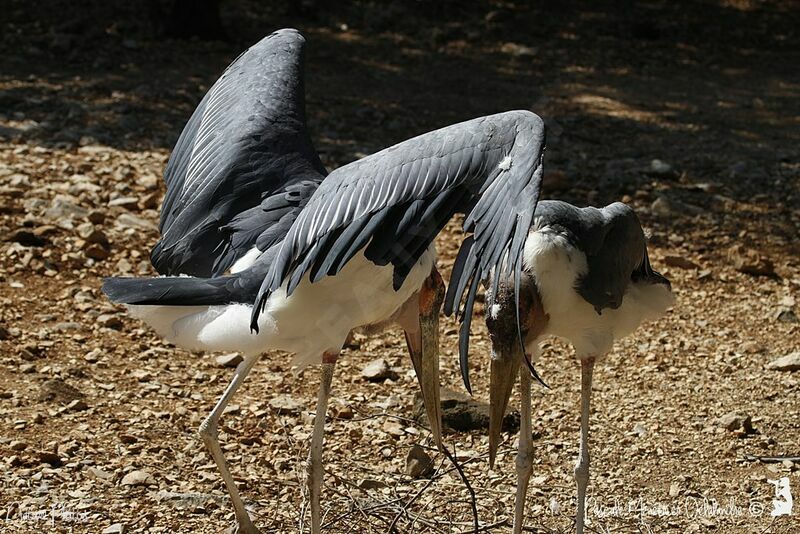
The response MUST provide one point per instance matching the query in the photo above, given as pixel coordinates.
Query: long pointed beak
(504, 369)
(424, 349)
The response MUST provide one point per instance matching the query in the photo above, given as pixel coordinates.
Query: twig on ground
(472, 502)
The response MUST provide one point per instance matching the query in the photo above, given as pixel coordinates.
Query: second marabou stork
(260, 250)
(586, 278)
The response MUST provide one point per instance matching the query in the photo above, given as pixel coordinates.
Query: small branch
(472, 501)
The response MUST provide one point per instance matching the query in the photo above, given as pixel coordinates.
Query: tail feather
(172, 291)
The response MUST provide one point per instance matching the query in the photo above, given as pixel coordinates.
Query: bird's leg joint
(208, 429)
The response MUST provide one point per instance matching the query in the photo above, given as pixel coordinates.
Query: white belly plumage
(314, 319)
(557, 267)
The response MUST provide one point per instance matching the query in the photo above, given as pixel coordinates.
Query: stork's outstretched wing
(393, 204)
(246, 141)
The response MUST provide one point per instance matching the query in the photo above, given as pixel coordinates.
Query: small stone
(110, 320)
(93, 356)
(639, 429)
(96, 217)
(77, 406)
(674, 489)
(418, 463)
(661, 207)
(378, 370)
(128, 439)
(129, 203)
(90, 234)
(18, 445)
(127, 220)
(229, 360)
(58, 390)
(138, 478)
(790, 362)
(786, 315)
(49, 457)
(518, 50)
(660, 168)
(116, 528)
(750, 262)
(99, 474)
(64, 207)
(370, 483)
(752, 347)
(736, 421)
(285, 405)
(27, 368)
(96, 252)
(680, 262)
(26, 238)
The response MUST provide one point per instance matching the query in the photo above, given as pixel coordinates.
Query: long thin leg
(525, 450)
(582, 465)
(315, 470)
(208, 431)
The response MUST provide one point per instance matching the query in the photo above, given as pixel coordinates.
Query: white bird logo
(782, 503)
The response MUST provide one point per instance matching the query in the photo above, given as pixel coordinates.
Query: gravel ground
(689, 113)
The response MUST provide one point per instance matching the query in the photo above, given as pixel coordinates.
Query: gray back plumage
(613, 241)
(246, 141)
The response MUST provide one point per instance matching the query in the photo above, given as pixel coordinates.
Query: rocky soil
(689, 113)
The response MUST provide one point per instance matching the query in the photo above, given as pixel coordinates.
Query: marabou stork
(263, 251)
(586, 278)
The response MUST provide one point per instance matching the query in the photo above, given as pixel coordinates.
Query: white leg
(208, 431)
(525, 450)
(314, 468)
(582, 465)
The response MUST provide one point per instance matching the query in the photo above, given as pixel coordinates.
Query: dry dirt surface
(689, 111)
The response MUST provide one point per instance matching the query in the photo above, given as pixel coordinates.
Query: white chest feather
(557, 267)
(314, 319)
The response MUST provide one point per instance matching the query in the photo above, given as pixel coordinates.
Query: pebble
(49, 457)
(229, 360)
(370, 483)
(736, 421)
(26, 238)
(58, 390)
(126, 220)
(750, 262)
(378, 370)
(786, 315)
(418, 463)
(660, 168)
(64, 206)
(138, 478)
(99, 474)
(110, 320)
(90, 234)
(286, 405)
(116, 528)
(18, 445)
(129, 203)
(661, 207)
(790, 362)
(96, 252)
(680, 262)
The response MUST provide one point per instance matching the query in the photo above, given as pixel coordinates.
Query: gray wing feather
(449, 169)
(246, 140)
